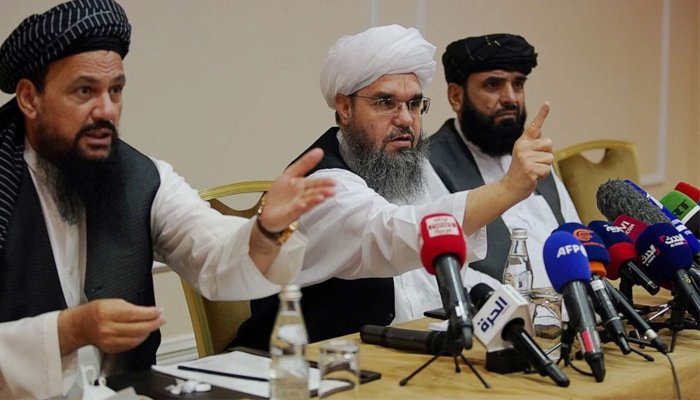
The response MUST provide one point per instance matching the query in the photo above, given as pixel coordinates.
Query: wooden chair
(581, 176)
(215, 323)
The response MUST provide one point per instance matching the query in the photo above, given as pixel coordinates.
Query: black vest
(332, 308)
(119, 254)
(455, 165)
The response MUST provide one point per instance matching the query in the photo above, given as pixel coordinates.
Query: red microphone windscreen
(689, 190)
(619, 253)
(441, 234)
(632, 226)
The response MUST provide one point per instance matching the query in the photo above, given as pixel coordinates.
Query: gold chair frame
(582, 176)
(215, 323)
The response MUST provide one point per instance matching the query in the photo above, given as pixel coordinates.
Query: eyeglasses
(391, 106)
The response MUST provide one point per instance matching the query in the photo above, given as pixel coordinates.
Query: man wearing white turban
(355, 61)
(384, 187)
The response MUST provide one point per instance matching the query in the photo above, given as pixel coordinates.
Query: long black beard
(78, 183)
(396, 177)
(480, 129)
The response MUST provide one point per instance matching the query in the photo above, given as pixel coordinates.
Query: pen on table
(211, 372)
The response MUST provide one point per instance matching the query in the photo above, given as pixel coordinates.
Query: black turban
(69, 28)
(485, 53)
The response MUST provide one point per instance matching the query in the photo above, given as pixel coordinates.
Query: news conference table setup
(627, 376)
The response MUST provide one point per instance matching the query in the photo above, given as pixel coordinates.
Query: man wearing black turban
(82, 213)
(486, 88)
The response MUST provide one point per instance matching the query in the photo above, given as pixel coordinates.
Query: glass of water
(546, 312)
(339, 367)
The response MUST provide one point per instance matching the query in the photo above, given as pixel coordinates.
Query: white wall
(227, 90)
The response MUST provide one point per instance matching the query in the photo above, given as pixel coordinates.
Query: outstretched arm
(532, 160)
(289, 197)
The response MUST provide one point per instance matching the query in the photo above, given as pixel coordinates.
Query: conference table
(627, 376)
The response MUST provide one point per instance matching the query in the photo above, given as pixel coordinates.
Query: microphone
(503, 320)
(442, 253)
(566, 263)
(597, 260)
(424, 342)
(632, 227)
(666, 254)
(685, 208)
(615, 198)
(639, 323)
(692, 241)
(689, 190)
(623, 256)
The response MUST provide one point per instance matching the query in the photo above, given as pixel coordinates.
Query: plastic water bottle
(289, 370)
(518, 271)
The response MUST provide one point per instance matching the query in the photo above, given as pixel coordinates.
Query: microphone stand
(605, 338)
(626, 289)
(676, 323)
(567, 340)
(453, 347)
(641, 326)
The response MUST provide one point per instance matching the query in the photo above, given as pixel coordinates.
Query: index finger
(305, 163)
(536, 124)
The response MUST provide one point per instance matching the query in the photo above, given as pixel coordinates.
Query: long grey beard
(398, 178)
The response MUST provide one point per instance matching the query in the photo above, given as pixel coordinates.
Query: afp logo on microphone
(571, 249)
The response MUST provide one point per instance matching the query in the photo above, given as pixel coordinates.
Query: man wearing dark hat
(82, 213)
(486, 88)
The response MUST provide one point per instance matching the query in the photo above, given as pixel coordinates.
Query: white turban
(355, 61)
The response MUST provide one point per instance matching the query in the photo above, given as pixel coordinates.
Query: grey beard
(396, 177)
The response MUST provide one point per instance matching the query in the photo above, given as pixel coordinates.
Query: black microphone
(443, 252)
(504, 311)
(623, 256)
(616, 198)
(694, 274)
(566, 263)
(639, 323)
(598, 259)
(666, 254)
(424, 342)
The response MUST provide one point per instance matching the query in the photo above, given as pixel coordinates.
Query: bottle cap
(290, 292)
(518, 233)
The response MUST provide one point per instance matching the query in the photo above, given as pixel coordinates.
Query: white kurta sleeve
(30, 360)
(358, 234)
(568, 210)
(210, 250)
